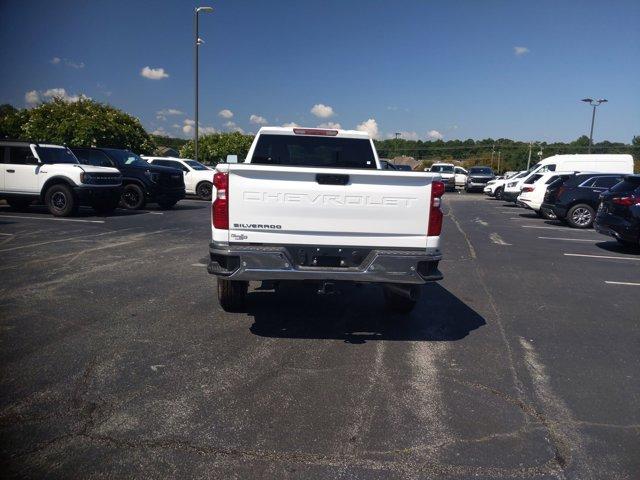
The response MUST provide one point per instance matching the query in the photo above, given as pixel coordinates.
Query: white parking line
(569, 239)
(618, 257)
(7, 234)
(497, 239)
(622, 283)
(565, 229)
(54, 219)
(198, 264)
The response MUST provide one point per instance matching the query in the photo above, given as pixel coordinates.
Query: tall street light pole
(594, 104)
(198, 42)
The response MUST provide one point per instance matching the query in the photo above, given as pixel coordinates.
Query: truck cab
(314, 205)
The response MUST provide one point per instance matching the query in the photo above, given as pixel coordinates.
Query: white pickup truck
(312, 204)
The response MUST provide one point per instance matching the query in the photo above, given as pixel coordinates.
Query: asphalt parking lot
(118, 362)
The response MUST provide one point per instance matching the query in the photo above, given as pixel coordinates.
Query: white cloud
(233, 127)
(206, 130)
(160, 131)
(153, 73)
(32, 97)
(67, 62)
(162, 114)
(257, 119)
(188, 121)
(290, 125)
(519, 51)
(333, 125)
(322, 111)
(370, 126)
(187, 129)
(225, 113)
(434, 135)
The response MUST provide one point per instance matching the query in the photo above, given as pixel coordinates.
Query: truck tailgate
(309, 206)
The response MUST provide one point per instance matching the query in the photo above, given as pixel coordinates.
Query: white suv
(53, 175)
(198, 178)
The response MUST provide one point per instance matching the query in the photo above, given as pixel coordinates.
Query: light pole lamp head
(204, 9)
(602, 100)
(587, 100)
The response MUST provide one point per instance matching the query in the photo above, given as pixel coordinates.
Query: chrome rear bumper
(239, 262)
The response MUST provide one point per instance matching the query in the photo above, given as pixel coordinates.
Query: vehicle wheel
(232, 294)
(580, 216)
(498, 194)
(19, 203)
(61, 201)
(167, 204)
(547, 214)
(132, 197)
(204, 190)
(399, 303)
(105, 207)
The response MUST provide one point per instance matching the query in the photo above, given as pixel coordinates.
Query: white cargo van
(597, 163)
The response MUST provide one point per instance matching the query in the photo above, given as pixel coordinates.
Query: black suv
(477, 178)
(619, 212)
(574, 199)
(142, 181)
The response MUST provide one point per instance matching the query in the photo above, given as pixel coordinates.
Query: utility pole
(529, 160)
(499, 160)
(594, 104)
(397, 136)
(198, 42)
(493, 151)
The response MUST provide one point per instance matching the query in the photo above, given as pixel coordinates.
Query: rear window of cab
(314, 151)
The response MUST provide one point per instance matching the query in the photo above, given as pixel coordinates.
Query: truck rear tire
(60, 200)
(399, 303)
(232, 294)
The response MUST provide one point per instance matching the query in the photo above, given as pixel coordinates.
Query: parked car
(576, 200)
(198, 178)
(406, 168)
(532, 195)
(328, 213)
(495, 188)
(619, 212)
(478, 178)
(460, 176)
(385, 164)
(52, 174)
(446, 172)
(141, 181)
(604, 163)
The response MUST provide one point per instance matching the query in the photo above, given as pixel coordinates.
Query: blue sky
(429, 69)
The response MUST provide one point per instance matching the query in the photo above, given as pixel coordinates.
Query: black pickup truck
(142, 182)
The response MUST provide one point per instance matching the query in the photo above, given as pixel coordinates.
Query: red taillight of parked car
(435, 214)
(527, 189)
(220, 206)
(626, 201)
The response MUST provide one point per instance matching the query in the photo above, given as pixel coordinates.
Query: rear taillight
(527, 189)
(626, 201)
(435, 214)
(220, 206)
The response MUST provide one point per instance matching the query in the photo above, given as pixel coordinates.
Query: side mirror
(232, 158)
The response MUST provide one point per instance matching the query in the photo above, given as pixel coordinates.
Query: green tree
(215, 147)
(86, 123)
(11, 121)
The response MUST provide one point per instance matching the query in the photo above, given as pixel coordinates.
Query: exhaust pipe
(407, 291)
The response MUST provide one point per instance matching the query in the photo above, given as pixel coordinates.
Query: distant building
(167, 152)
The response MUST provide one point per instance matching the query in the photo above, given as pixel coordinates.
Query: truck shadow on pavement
(359, 315)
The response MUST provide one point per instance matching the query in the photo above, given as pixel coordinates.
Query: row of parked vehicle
(582, 191)
(104, 178)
